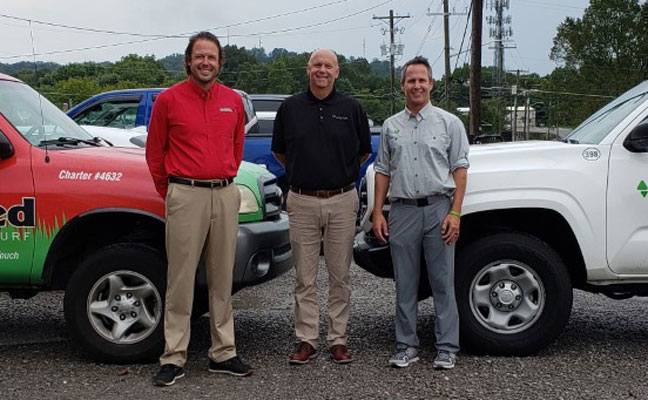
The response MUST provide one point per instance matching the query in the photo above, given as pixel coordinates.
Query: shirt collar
(327, 100)
(425, 112)
(202, 93)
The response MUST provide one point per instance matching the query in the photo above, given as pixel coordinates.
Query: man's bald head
(328, 53)
(322, 70)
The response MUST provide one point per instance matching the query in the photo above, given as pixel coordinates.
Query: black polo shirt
(322, 140)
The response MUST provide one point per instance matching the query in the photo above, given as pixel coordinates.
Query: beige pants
(200, 219)
(312, 218)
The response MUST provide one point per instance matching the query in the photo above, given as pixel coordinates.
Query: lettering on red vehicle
(19, 215)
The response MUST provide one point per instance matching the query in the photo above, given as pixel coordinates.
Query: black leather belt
(422, 202)
(216, 183)
(322, 194)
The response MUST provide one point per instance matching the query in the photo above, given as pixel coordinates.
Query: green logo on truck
(643, 188)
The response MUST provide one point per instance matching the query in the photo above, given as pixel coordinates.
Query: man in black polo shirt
(322, 137)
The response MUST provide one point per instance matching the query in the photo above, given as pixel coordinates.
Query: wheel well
(547, 225)
(86, 233)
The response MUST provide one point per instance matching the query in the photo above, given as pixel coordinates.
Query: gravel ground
(599, 356)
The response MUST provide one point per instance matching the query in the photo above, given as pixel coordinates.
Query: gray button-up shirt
(420, 152)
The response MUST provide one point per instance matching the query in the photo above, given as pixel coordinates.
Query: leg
(305, 238)
(440, 266)
(340, 215)
(187, 211)
(219, 256)
(405, 235)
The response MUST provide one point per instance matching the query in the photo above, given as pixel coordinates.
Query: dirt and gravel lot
(601, 355)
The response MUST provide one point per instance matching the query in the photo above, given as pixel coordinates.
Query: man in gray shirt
(422, 161)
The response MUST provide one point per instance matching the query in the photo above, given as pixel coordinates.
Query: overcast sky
(346, 26)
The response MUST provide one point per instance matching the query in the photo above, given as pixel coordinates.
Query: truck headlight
(248, 200)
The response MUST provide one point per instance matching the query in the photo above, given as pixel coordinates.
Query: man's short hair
(192, 40)
(417, 60)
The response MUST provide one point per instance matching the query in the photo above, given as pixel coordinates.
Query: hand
(450, 229)
(380, 228)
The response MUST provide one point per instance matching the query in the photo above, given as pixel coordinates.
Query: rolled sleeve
(383, 158)
(458, 151)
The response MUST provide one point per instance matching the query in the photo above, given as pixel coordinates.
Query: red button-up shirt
(195, 133)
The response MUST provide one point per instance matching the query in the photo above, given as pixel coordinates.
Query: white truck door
(627, 204)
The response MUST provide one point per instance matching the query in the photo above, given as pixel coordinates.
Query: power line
(114, 32)
(184, 36)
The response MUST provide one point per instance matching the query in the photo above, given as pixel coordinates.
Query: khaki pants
(312, 218)
(200, 219)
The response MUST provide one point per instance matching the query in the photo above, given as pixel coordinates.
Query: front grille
(271, 195)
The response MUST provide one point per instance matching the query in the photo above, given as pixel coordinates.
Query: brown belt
(322, 194)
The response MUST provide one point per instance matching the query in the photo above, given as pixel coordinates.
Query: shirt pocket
(224, 121)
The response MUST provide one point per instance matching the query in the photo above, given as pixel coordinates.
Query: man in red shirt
(194, 149)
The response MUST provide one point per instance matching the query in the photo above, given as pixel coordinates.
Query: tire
(514, 295)
(124, 286)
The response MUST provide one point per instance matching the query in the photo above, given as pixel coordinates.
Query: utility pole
(500, 32)
(475, 69)
(394, 49)
(514, 91)
(446, 34)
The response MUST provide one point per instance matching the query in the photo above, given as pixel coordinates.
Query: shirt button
(414, 158)
(321, 117)
(320, 108)
(415, 142)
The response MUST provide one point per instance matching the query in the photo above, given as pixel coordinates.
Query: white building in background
(531, 116)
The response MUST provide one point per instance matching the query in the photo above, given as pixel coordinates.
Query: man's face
(417, 86)
(323, 69)
(204, 64)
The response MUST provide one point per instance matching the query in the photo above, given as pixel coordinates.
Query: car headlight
(248, 200)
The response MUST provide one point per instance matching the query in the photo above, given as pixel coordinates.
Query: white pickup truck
(539, 220)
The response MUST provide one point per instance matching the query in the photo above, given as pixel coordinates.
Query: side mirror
(637, 140)
(6, 148)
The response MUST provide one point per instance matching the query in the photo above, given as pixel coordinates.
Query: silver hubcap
(124, 307)
(507, 296)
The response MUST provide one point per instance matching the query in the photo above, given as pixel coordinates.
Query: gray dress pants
(412, 228)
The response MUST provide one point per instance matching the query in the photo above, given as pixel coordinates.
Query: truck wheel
(114, 303)
(514, 294)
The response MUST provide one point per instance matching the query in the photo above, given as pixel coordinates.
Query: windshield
(597, 127)
(20, 105)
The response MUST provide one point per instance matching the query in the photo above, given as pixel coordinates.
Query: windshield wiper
(69, 140)
(98, 139)
(574, 141)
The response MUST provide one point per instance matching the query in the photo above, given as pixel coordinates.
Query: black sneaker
(167, 375)
(233, 366)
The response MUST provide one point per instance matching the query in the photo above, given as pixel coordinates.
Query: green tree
(145, 71)
(604, 52)
(279, 78)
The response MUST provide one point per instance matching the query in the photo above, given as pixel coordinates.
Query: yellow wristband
(456, 214)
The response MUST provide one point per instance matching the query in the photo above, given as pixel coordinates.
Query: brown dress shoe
(340, 354)
(303, 354)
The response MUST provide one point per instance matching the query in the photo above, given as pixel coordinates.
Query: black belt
(422, 202)
(322, 194)
(216, 183)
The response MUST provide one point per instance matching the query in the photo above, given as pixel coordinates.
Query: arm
(452, 223)
(378, 219)
(278, 143)
(281, 158)
(239, 133)
(156, 145)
